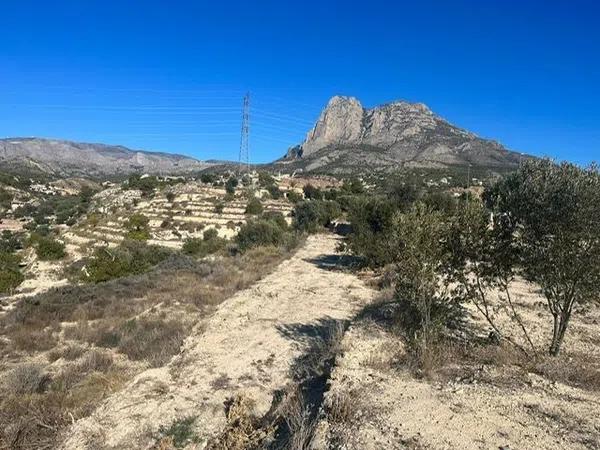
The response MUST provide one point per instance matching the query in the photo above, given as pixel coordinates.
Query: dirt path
(247, 346)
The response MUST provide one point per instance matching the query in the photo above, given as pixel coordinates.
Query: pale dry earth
(247, 347)
(483, 407)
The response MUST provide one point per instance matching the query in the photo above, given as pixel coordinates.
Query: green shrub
(254, 207)
(260, 232)
(211, 243)
(10, 275)
(49, 249)
(274, 191)
(371, 219)
(419, 257)
(129, 258)
(353, 186)
(402, 194)
(441, 201)
(6, 199)
(293, 196)
(10, 242)
(137, 227)
(312, 193)
(219, 207)
(230, 185)
(277, 218)
(145, 184)
(265, 179)
(310, 215)
(208, 178)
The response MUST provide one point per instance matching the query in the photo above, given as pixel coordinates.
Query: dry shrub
(68, 352)
(84, 396)
(244, 430)
(30, 339)
(74, 374)
(96, 361)
(25, 379)
(103, 333)
(152, 339)
(31, 422)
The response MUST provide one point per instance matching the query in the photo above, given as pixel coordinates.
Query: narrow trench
(297, 421)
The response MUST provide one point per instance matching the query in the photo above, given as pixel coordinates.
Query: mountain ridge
(350, 137)
(67, 158)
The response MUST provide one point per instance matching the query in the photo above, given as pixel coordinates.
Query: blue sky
(170, 75)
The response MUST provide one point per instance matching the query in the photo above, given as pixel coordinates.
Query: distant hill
(349, 138)
(65, 158)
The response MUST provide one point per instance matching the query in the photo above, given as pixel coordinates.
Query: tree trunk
(560, 327)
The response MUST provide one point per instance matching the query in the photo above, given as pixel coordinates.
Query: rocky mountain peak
(393, 134)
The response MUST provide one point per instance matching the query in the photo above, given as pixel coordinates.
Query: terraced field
(192, 209)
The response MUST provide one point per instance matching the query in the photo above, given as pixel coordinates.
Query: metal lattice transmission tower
(245, 137)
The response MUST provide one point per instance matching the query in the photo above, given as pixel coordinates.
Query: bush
(208, 178)
(312, 193)
(274, 191)
(371, 220)
(265, 179)
(230, 185)
(137, 227)
(10, 279)
(441, 201)
(170, 197)
(402, 194)
(49, 249)
(26, 379)
(10, 242)
(419, 255)
(254, 207)
(353, 186)
(311, 215)
(219, 207)
(6, 199)
(131, 257)
(146, 184)
(260, 232)
(277, 218)
(293, 196)
(211, 243)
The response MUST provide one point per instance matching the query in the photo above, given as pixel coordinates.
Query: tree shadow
(335, 262)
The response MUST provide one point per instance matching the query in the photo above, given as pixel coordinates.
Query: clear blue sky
(170, 75)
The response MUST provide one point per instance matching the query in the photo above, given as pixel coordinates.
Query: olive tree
(483, 259)
(420, 255)
(552, 211)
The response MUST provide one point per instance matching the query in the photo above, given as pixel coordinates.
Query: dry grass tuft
(244, 429)
(341, 408)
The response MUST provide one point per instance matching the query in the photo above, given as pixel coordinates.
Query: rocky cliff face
(64, 158)
(396, 134)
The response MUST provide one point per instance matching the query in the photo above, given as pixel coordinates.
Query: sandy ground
(247, 346)
(486, 407)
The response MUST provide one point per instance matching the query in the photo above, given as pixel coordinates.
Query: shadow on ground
(335, 262)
